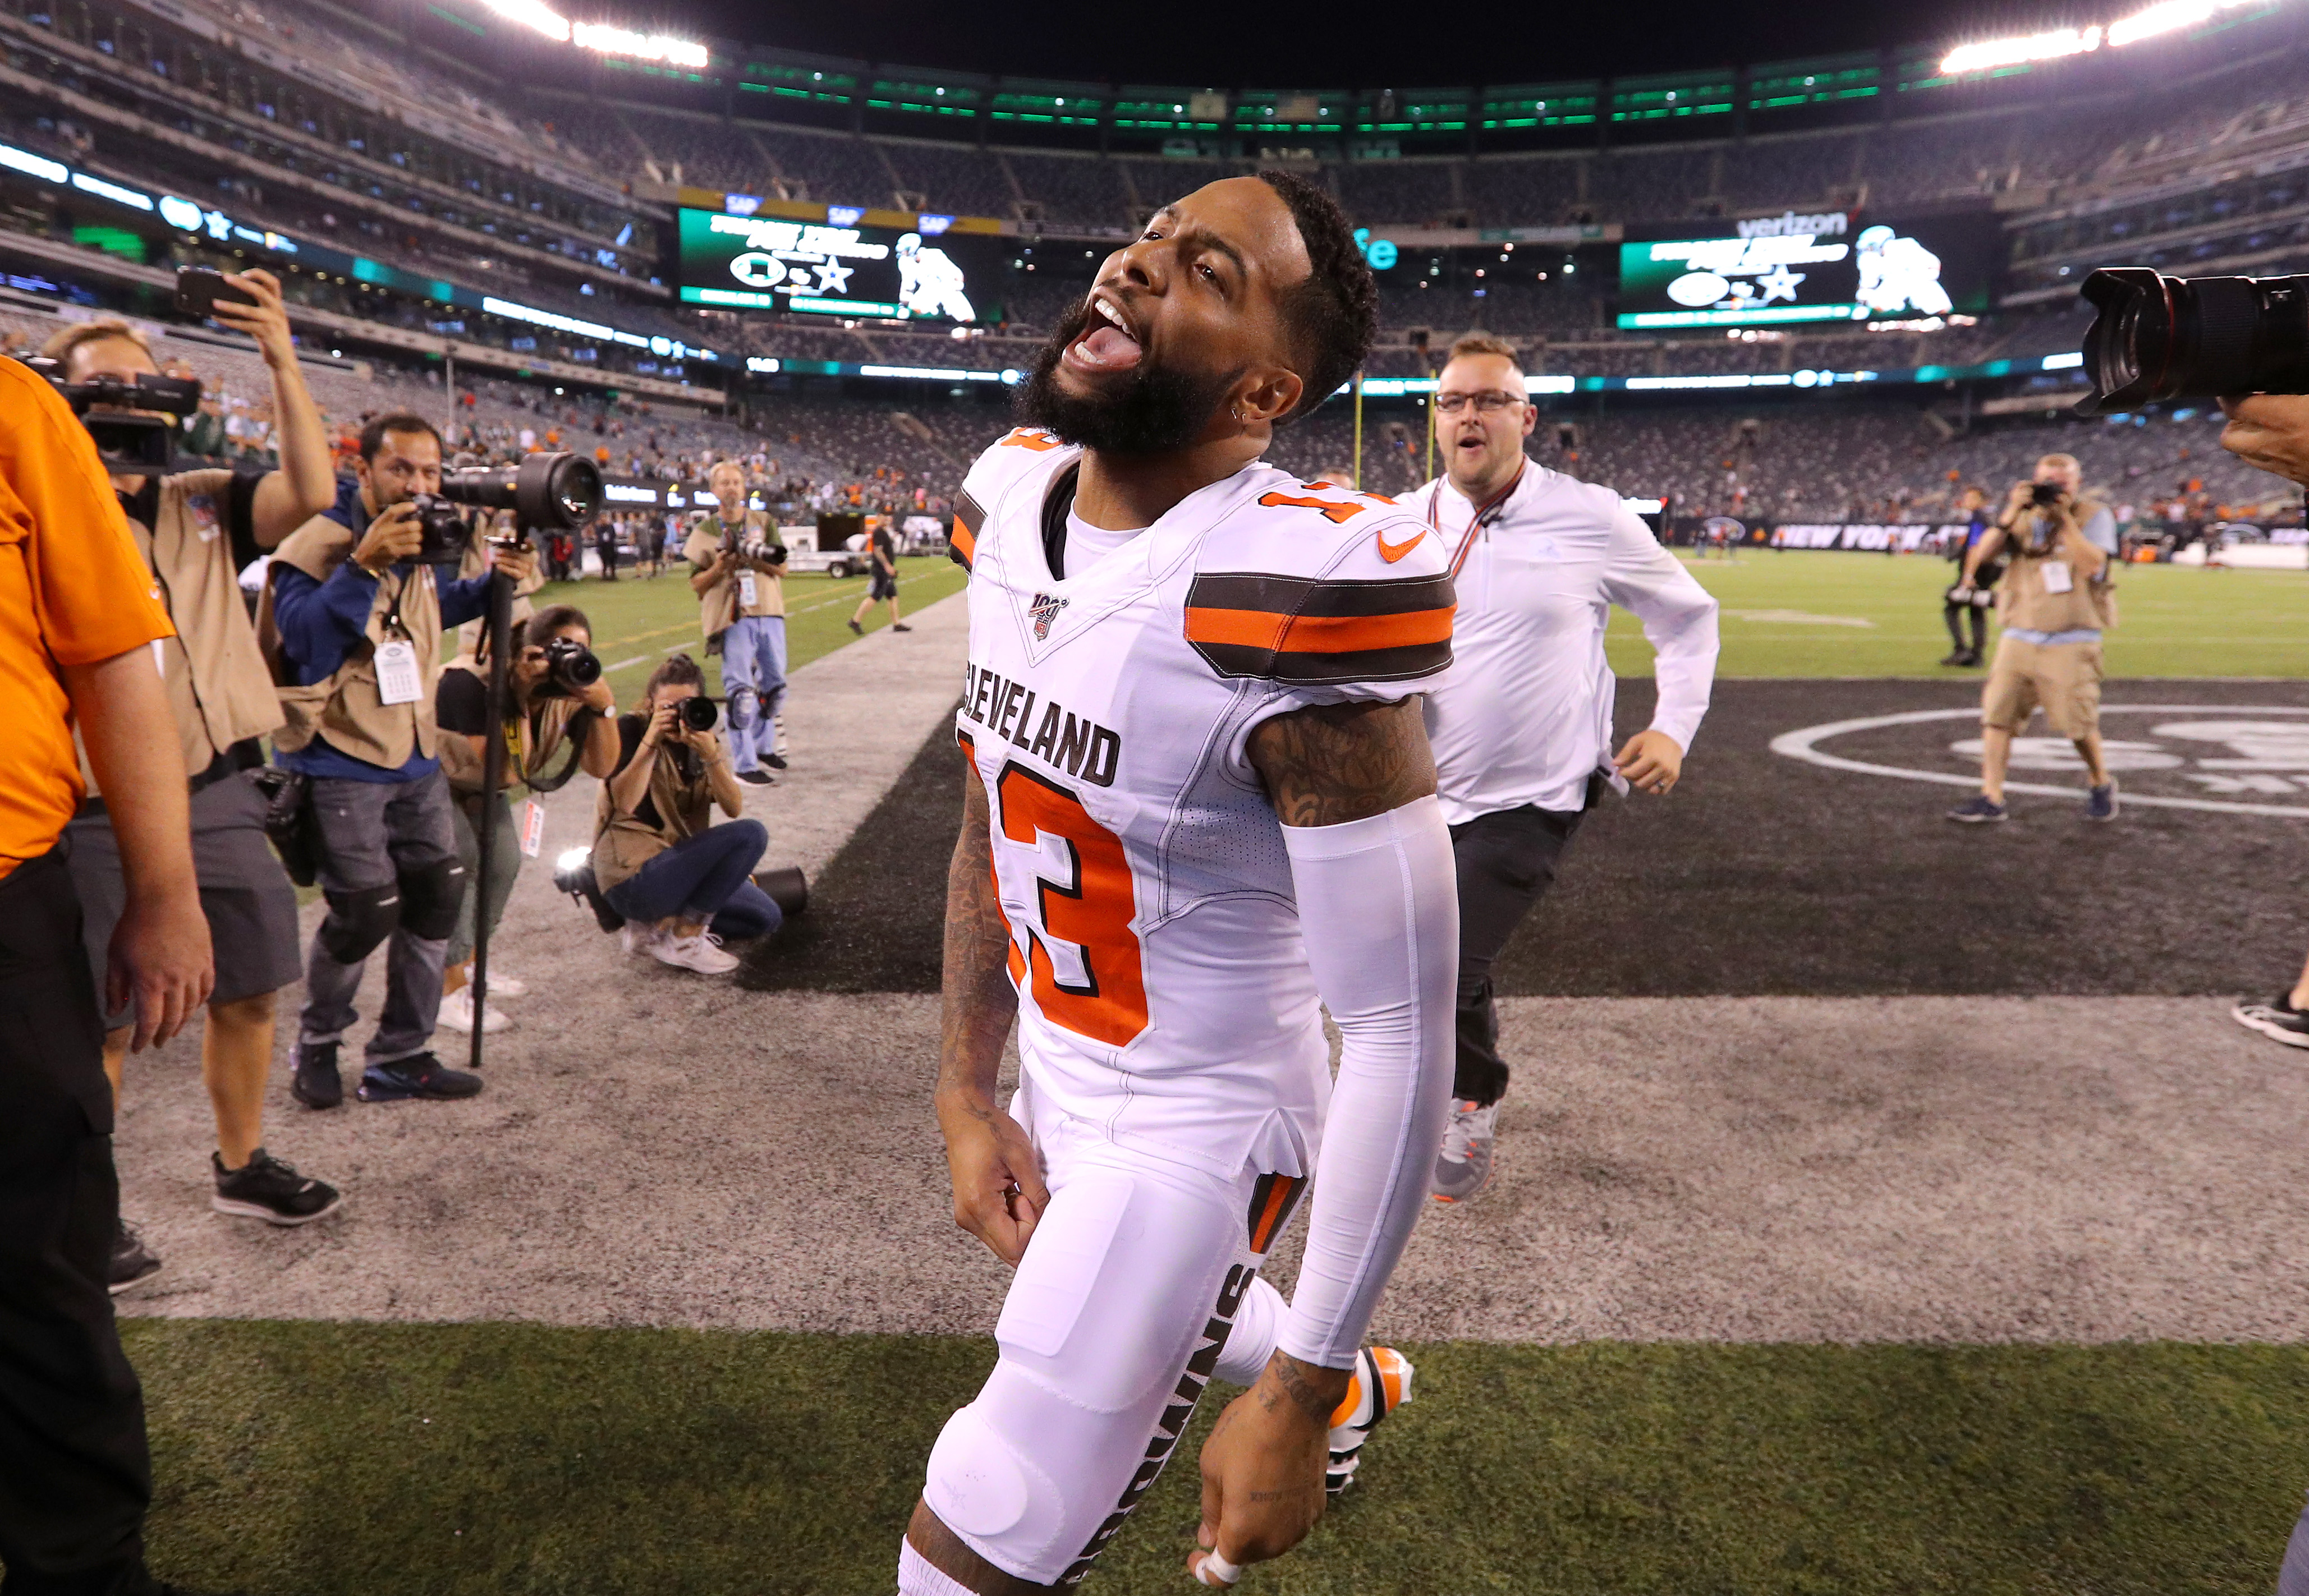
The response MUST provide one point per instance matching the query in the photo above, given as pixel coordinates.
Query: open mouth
(1108, 344)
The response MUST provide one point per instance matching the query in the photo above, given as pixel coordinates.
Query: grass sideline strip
(1793, 614)
(445, 1459)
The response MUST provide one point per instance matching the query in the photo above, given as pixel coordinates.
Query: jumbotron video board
(772, 263)
(1836, 266)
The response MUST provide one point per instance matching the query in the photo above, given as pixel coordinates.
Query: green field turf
(382, 1460)
(638, 620)
(1798, 614)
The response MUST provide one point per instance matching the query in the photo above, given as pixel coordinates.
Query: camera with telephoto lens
(133, 422)
(546, 492)
(700, 713)
(2160, 337)
(570, 668)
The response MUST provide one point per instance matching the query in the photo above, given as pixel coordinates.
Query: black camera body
(444, 529)
(570, 668)
(2045, 495)
(146, 443)
(2160, 337)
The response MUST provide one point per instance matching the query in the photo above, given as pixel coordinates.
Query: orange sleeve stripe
(1319, 633)
(1278, 1204)
(964, 541)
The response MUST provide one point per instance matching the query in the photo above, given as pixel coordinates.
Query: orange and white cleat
(1381, 1384)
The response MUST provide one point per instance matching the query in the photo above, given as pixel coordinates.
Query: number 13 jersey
(1164, 997)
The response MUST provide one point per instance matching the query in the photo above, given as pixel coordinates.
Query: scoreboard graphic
(1838, 266)
(769, 263)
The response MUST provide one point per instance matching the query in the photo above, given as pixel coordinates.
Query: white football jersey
(1165, 997)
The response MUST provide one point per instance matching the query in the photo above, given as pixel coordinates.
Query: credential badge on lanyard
(398, 680)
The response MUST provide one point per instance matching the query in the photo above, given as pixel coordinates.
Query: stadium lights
(599, 36)
(2162, 18)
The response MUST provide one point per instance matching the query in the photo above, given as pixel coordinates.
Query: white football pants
(1139, 1284)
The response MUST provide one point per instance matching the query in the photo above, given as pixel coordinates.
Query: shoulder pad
(1339, 586)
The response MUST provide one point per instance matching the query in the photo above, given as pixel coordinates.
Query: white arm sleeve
(1379, 908)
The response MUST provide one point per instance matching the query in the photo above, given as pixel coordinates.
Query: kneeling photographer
(559, 720)
(683, 884)
(351, 622)
(2054, 601)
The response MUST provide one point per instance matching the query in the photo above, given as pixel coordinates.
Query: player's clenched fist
(998, 1194)
(1263, 1468)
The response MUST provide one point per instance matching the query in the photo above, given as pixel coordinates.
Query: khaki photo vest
(718, 606)
(345, 711)
(2022, 600)
(219, 692)
(531, 739)
(624, 842)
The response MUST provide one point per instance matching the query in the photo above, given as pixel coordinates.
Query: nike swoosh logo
(1392, 552)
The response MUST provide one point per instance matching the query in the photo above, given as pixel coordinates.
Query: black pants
(1506, 860)
(1953, 613)
(74, 1476)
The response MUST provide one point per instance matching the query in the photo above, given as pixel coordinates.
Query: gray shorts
(251, 906)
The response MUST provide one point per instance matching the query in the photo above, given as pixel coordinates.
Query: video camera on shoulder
(2160, 337)
(134, 423)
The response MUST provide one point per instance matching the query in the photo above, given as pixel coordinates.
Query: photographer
(2272, 431)
(195, 531)
(352, 622)
(550, 713)
(2055, 598)
(736, 557)
(1967, 599)
(684, 884)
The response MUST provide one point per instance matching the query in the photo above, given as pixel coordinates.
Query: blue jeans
(2293, 1579)
(754, 657)
(706, 877)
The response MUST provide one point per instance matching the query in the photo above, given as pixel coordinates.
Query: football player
(1200, 807)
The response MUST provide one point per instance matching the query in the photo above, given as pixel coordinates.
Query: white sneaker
(703, 952)
(507, 986)
(457, 1014)
(639, 940)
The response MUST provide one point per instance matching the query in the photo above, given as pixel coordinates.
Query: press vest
(219, 692)
(531, 739)
(623, 841)
(2022, 600)
(719, 605)
(345, 710)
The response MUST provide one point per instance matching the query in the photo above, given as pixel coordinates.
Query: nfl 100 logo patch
(1044, 610)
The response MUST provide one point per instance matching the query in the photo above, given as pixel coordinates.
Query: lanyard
(1484, 513)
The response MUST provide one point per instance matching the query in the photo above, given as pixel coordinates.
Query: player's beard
(1155, 412)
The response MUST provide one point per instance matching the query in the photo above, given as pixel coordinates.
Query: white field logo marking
(2235, 759)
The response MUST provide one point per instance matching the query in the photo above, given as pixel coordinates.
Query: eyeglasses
(1490, 401)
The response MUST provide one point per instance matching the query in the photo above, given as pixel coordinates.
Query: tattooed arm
(997, 1184)
(1371, 861)
(1341, 762)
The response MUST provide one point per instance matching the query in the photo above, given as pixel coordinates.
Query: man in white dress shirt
(1521, 722)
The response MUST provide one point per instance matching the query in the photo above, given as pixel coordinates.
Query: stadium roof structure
(1279, 118)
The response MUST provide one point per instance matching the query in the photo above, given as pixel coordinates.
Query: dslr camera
(570, 668)
(2155, 336)
(134, 423)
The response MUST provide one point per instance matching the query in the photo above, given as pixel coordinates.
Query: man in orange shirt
(77, 622)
